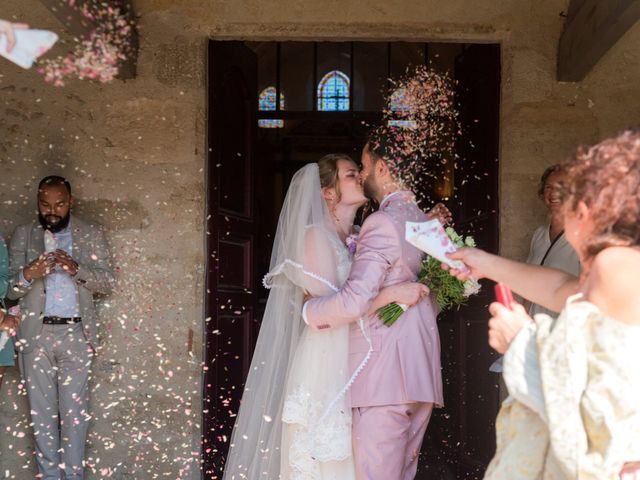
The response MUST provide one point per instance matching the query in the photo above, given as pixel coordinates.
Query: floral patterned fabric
(573, 410)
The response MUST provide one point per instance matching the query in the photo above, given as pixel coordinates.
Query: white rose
(471, 287)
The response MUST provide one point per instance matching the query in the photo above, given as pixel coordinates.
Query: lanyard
(551, 246)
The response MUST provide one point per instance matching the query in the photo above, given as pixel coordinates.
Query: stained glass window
(267, 103)
(398, 104)
(333, 92)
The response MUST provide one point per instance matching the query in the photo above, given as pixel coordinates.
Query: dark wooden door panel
(235, 120)
(461, 437)
(236, 254)
(478, 75)
(231, 278)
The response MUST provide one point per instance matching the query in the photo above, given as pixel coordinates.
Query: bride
(294, 421)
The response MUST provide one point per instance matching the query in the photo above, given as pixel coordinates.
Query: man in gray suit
(58, 263)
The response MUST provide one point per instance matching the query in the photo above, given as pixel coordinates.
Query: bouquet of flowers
(432, 238)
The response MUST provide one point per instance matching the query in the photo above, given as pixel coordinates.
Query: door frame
(411, 35)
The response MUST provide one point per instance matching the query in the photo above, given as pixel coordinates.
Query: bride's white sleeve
(320, 264)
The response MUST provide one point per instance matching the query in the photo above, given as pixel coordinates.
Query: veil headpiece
(304, 225)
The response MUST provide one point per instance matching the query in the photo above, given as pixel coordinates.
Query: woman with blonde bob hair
(573, 410)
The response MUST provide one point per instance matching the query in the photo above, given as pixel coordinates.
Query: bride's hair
(606, 177)
(328, 170)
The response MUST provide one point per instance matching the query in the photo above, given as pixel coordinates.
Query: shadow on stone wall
(113, 215)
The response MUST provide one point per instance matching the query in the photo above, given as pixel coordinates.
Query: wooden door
(240, 222)
(461, 436)
(231, 237)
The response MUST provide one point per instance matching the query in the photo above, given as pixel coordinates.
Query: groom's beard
(54, 223)
(369, 187)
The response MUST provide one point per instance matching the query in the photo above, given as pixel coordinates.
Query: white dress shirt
(61, 289)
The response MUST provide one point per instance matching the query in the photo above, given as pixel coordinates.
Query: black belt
(60, 320)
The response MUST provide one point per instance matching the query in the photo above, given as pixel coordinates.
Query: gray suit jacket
(95, 276)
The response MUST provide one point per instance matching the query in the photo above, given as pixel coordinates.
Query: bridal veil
(306, 257)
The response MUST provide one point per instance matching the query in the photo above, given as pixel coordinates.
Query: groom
(392, 398)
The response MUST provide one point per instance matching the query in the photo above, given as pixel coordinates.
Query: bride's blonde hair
(328, 169)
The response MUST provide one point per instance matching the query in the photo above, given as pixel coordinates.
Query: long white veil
(304, 226)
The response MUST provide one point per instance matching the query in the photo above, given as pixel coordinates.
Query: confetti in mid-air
(420, 125)
(99, 56)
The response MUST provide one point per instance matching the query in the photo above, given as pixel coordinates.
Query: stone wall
(135, 154)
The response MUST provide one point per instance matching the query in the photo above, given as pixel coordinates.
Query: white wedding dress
(317, 436)
(294, 421)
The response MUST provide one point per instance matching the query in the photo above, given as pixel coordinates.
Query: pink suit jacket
(405, 364)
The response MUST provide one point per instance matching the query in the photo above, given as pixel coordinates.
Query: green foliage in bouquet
(448, 290)
(390, 313)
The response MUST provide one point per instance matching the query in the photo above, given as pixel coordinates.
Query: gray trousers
(56, 373)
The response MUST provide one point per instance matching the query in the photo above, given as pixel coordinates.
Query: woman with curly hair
(573, 410)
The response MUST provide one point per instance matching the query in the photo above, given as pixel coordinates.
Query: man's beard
(369, 187)
(56, 226)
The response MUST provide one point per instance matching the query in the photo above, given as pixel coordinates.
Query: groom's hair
(383, 145)
(380, 145)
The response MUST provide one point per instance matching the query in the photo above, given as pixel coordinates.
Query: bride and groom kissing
(333, 393)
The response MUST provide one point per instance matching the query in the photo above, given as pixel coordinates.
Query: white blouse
(561, 256)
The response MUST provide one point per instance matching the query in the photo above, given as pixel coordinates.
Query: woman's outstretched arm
(545, 286)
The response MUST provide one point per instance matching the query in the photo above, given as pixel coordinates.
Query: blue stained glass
(402, 123)
(398, 104)
(267, 103)
(270, 123)
(333, 92)
(398, 101)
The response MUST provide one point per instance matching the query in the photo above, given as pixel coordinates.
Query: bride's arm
(378, 250)
(408, 293)
(319, 265)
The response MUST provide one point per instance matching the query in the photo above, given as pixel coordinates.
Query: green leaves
(390, 313)
(449, 292)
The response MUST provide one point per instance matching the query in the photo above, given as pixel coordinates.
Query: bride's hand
(408, 293)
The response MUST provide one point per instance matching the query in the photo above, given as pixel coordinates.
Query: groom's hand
(441, 213)
(408, 293)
